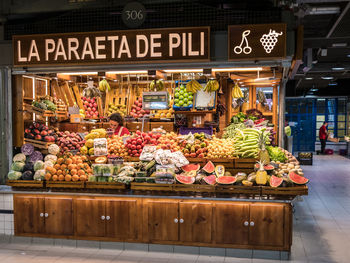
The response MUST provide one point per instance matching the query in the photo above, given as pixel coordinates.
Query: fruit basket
(184, 100)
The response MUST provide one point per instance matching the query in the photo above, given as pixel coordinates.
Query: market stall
(202, 148)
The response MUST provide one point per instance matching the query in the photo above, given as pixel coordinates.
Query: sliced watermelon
(184, 179)
(275, 181)
(211, 179)
(297, 179)
(226, 180)
(191, 167)
(267, 167)
(209, 167)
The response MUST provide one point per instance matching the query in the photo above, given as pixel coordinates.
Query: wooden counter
(211, 222)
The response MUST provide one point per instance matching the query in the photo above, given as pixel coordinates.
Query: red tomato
(138, 147)
(139, 141)
(133, 147)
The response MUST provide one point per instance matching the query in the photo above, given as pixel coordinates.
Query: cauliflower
(17, 166)
(19, 157)
(53, 149)
(38, 165)
(39, 175)
(48, 164)
(14, 175)
(51, 157)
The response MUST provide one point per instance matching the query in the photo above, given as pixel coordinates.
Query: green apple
(185, 94)
(190, 97)
(181, 97)
(185, 100)
(176, 101)
(181, 103)
(177, 94)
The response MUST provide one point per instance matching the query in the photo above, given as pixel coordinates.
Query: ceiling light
(309, 78)
(333, 84)
(78, 73)
(338, 68)
(128, 72)
(313, 89)
(327, 78)
(182, 70)
(237, 69)
(324, 10)
(348, 55)
(339, 45)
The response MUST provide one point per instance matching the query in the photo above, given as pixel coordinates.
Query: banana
(193, 86)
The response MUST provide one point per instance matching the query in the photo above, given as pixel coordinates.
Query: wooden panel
(78, 97)
(268, 224)
(27, 210)
(134, 126)
(17, 106)
(197, 225)
(229, 223)
(161, 216)
(123, 219)
(68, 93)
(88, 221)
(59, 93)
(60, 216)
(167, 126)
(40, 88)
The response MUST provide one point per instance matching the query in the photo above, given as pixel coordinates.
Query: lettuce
(276, 154)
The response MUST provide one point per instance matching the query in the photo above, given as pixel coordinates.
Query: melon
(209, 167)
(275, 181)
(211, 179)
(191, 167)
(220, 170)
(297, 179)
(226, 180)
(267, 167)
(247, 183)
(184, 179)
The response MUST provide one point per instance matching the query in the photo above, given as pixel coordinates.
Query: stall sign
(146, 45)
(155, 100)
(257, 41)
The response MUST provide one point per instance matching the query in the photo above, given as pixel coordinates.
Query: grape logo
(247, 49)
(268, 41)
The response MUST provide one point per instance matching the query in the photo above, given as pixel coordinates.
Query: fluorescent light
(128, 72)
(339, 45)
(327, 78)
(197, 70)
(313, 89)
(78, 73)
(338, 68)
(324, 10)
(333, 84)
(237, 69)
(309, 78)
(257, 79)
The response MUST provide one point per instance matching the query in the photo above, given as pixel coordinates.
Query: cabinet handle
(181, 220)
(46, 215)
(246, 223)
(103, 217)
(251, 223)
(41, 214)
(108, 217)
(176, 220)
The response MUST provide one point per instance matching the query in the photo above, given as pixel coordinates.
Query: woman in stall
(116, 123)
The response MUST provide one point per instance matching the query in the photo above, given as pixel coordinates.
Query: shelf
(195, 112)
(267, 114)
(28, 98)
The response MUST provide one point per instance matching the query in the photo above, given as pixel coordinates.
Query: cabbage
(17, 166)
(27, 149)
(28, 167)
(19, 157)
(53, 149)
(51, 157)
(14, 175)
(36, 156)
(39, 175)
(27, 175)
(38, 165)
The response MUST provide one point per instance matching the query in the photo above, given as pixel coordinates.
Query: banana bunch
(212, 85)
(237, 92)
(103, 85)
(193, 86)
(91, 92)
(157, 85)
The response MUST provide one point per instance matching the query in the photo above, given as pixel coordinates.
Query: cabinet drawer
(134, 126)
(167, 126)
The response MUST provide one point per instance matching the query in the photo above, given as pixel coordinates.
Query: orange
(71, 166)
(83, 178)
(69, 161)
(84, 158)
(53, 170)
(68, 177)
(63, 166)
(81, 165)
(57, 166)
(47, 176)
(73, 172)
(60, 160)
(61, 177)
(86, 166)
(55, 178)
(75, 178)
(59, 172)
(81, 172)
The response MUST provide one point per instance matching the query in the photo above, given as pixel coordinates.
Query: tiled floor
(321, 232)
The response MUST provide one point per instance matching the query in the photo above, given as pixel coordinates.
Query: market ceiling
(326, 60)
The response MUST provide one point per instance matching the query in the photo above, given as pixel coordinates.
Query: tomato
(139, 141)
(134, 152)
(138, 133)
(138, 147)
(153, 141)
(133, 147)
(134, 142)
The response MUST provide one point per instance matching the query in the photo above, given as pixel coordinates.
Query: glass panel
(341, 117)
(321, 118)
(318, 125)
(341, 125)
(341, 106)
(264, 99)
(341, 133)
(321, 105)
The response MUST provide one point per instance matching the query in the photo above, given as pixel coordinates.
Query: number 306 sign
(134, 14)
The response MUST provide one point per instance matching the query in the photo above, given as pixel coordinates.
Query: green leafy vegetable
(276, 154)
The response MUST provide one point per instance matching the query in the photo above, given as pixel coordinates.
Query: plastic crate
(305, 161)
(206, 130)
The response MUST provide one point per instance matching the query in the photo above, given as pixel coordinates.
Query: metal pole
(281, 112)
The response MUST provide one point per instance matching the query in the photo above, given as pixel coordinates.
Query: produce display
(116, 108)
(169, 141)
(221, 148)
(40, 132)
(88, 148)
(116, 146)
(90, 107)
(195, 145)
(137, 141)
(69, 141)
(184, 95)
(164, 113)
(45, 104)
(212, 85)
(136, 109)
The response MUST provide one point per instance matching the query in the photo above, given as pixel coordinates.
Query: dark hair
(116, 117)
(324, 122)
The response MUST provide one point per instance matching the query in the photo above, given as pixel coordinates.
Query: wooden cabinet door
(161, 220)
(266, 225)
(88, 217)
(121, 219)
(59, 216)
(195, 222)
(29, 215)
(230, 227)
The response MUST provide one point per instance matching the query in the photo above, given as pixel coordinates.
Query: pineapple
(261, 174)
(263, 154)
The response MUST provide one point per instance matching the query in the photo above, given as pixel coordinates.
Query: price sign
(134, 14)
(155, 100)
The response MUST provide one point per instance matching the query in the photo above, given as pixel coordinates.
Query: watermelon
(191, 167)
(184, 179)
(211, 179)
(275, 181)
(226, 180)
(297, 179)
(209, 167)
(267, 167)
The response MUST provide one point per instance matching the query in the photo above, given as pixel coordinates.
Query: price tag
(134, 14)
